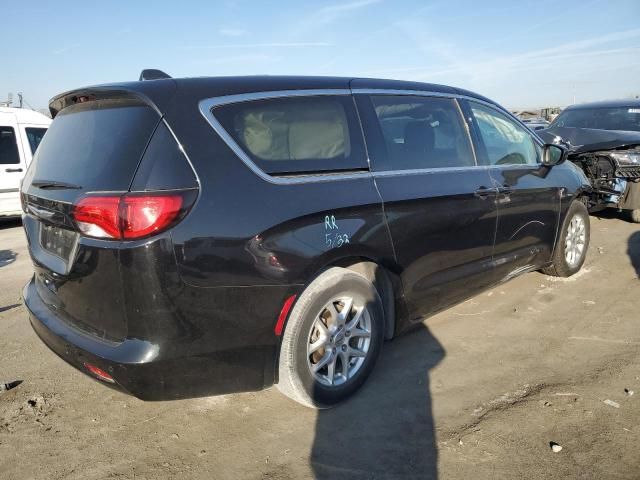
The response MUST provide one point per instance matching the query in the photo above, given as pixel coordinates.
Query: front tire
(573, 242)
(332, 339)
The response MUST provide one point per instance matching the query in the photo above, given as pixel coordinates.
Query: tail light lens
(130, 216)
(98, 216)
(145, 215)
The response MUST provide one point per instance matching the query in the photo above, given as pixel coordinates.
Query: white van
(20, 133)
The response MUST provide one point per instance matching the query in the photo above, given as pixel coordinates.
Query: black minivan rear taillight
(131, 216)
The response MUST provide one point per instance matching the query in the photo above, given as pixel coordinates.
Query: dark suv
(203, 236)
(603, 139)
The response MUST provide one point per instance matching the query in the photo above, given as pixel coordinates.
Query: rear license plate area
(58, 241)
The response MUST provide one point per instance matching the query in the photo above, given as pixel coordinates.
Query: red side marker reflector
(99, 373)
(283, 314)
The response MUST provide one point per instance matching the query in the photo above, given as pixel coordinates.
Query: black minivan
(202, 236)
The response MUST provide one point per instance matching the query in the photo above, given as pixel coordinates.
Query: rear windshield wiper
(52, 185)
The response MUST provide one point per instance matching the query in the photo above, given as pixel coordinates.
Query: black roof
(265, 83)
(631, 102)
(160, 91)
(280, 82)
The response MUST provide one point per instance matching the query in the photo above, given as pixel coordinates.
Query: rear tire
(573, 242)
(634, 215)
(328, 352)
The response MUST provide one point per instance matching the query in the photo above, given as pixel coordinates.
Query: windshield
(615, 118)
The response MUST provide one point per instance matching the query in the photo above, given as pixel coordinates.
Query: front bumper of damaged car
(612, 174)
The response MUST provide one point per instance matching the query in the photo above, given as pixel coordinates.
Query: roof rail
(152, 74)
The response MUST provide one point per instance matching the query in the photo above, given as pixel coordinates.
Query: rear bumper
(149, 371)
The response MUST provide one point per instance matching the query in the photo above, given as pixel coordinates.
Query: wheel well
(584, 197)
(381, 279)
(383, 282)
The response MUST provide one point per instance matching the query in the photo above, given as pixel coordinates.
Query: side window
(297, 134)
(422, 132)
(8, 146)
(34, 135)
(505, 142)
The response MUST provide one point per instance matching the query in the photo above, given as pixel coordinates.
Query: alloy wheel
(575, 241)
(339, 341)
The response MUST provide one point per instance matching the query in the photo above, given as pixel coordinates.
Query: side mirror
(553, 155)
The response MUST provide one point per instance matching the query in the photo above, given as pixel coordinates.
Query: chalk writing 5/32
(334, 240)
(332, 236)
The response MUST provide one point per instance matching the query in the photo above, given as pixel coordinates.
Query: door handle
(484, 192)
(505, 190)
(12, 170)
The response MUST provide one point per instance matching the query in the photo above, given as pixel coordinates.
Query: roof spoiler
(106, 92)
(152, 74)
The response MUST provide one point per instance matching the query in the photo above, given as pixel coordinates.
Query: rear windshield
(96, 145)
(615, 118)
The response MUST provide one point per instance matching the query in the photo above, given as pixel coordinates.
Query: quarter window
(421, 132)
(297, 134)
(8, 146)
(505, 142)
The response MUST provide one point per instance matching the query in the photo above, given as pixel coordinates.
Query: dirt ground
(478, 391)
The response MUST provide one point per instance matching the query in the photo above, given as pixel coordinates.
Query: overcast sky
(522, 54)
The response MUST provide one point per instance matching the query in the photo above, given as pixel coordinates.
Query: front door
(439, 204)
(529, 193)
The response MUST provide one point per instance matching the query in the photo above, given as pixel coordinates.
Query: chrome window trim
(416, 93)
(207, 105)
(249, 97)
(515, 166)
(206, 109)
(428, 171)
(427, 93)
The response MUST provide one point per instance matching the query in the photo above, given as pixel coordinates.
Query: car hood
(583, 140)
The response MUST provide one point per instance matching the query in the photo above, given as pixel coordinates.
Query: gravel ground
(478, 391)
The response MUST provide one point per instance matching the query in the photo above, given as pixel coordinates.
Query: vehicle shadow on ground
(9, 307)
(613, 214)
(386, 430)
(7, 257)
(633, 250)
(10, 223)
